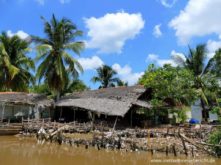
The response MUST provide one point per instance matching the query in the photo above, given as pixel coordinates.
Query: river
(25, 151)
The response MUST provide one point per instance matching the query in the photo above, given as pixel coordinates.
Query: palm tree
(57, 66)
(15, 66)
(105, 75)
(122, 83)
(196, 61)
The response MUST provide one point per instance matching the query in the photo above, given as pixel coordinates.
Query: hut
(104, 104)
(17, 105)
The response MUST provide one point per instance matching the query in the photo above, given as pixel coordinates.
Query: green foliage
(215, 138)
(181, 113)
(41, 89)
(57, 66)
(170, 84)
(122, 83)
(106, 76)
(15, 66)
(74, 86)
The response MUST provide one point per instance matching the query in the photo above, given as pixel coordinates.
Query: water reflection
(14, 151)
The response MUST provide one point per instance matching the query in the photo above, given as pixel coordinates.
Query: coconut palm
(214, 64)
(15, 66)
(122, 83)
(196, 61)
(105, 75)
(57, 65)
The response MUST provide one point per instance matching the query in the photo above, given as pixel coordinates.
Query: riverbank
(26, 151)
(187, 140)
(177, 140)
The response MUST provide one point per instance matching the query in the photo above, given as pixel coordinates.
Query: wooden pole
(114, 124)
(174, 149)
(74, 114)
(184, 146)
(192, 151)
(3, 111)
(61, 113)
(131, 118)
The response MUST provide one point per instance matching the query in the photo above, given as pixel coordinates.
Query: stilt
(184, 146)
(61, 113)
(167, 150)
(3, 111)
(174, 149)
(114, 124)
(131, 118)
(192, 151)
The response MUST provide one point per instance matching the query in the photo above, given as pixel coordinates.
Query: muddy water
(14, 151)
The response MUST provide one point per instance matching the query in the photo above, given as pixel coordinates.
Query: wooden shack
(17, 105)
(105, 104)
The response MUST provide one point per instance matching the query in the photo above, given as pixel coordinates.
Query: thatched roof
(110, 101)
(25, 98)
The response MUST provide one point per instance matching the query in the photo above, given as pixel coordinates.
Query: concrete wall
(196, 112)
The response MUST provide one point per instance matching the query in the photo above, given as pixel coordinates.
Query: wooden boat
(9, 130)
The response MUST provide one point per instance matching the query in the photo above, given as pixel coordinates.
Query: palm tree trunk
(204, 111)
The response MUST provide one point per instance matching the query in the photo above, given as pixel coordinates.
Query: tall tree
(57, 66)
(170, 84)
(106, 76)
(122, 83)
(196, 61)
(15, 66)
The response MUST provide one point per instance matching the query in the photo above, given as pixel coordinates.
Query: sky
(127, 35)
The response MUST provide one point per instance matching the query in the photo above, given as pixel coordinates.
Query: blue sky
(127, 35)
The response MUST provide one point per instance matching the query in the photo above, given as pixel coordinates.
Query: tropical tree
(106, 76)
(214, 64)
(122, 83)
(196, 61)
(172, 90)
(74, 86)
(170, 85)
(57, 66)
(15, 66)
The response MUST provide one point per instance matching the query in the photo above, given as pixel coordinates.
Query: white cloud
(160, 62)
(41, 2)
(175, 60)
(64, 1)
(109, 33)
(199, 18)
(125, 73)
(156, 31)
(90, 63)
(168, 3)
(19, 33)
(212, 46)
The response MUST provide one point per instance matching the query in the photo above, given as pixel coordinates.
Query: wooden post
(74, 114)
(192, 151)
(174, 149)
(184, 146)
(61, 113)
(167, 150)
(151, 149)
(115, 124)
(3, 111)
(50, 113)
(93, 118)
(131, 118)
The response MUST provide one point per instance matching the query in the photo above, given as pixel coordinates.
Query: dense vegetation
(57, 72)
